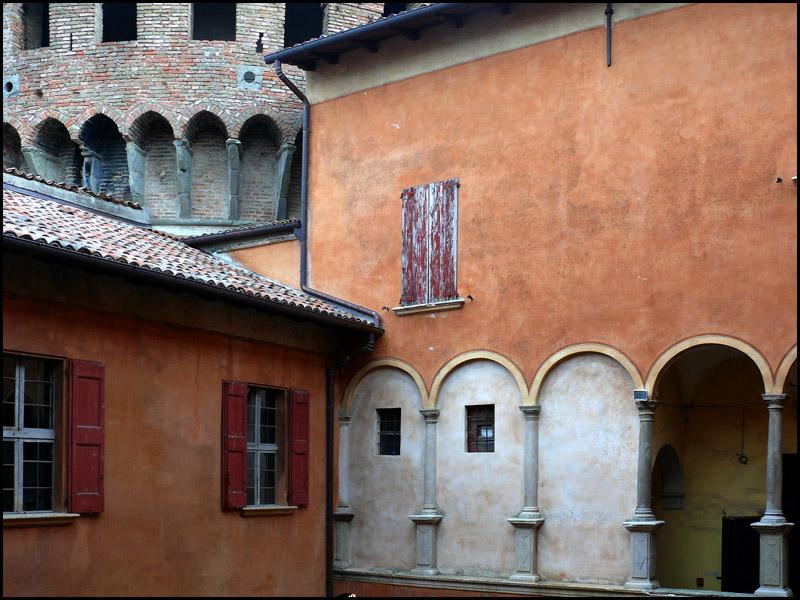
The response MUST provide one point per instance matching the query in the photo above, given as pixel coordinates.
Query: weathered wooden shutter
(298, 447)
(234, 444)
(430, 229)
(442, 247)
(87, 436)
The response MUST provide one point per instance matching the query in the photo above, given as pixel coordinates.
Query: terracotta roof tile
(48, 222)
(70, 187)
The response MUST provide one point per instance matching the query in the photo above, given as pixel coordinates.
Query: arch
(12, 148)
(470, 356)
(670, 353)
(583, 348)
(76, 125)
(673, 492)
(29, 126)
(141, 109)
(51, 152)
(152, 164)
(281, 122)
(259, 177)
(391, 363)
(205, 106)
(105, 164)
(783, 370)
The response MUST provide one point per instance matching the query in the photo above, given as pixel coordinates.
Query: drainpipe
(334, 368)
(302, 232)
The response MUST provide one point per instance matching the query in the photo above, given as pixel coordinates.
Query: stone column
(427, 521)
(92, 169)
(283, 179)
(526, 524)
(136, 170)
(643, 523)
(343, 514)
(773, 571)
(183, 158)
(234, 148)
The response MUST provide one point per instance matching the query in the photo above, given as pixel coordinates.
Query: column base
(342, 518)
(526, 526)
(773, 557)
(774, 592)
(427, 533)
(643, 554)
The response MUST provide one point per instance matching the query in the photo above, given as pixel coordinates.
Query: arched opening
(12, 149)
(258, 172)
(207, 133)
(711, 413)
(153, 137)
(53, 154)
(105, 163)
(296, 181)
(668, 489)
(791, 475)
(385, 480)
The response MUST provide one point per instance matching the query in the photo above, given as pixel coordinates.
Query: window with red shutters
(234, 444)
(87, 436)
(430, 242)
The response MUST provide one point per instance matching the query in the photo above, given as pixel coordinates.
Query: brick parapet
(339, 16)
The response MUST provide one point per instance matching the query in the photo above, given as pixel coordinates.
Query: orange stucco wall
(634, 206)
(163, 531)
(280, 261)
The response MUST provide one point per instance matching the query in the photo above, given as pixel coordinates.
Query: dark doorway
(739, 555)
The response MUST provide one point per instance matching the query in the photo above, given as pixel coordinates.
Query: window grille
(389, 431)
(480, 428)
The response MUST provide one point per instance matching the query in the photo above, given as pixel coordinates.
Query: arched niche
(105, 157)
(207, 133)
(12, 149)
(260, 139)
(152, 164)
(668, 479)
(52, 153)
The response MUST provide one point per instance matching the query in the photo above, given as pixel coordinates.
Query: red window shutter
(442, 247)
(234, 444)
(298, 447)
(87, 436)
(415, 253)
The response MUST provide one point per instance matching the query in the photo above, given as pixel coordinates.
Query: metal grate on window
(388, 431)
(480, 428)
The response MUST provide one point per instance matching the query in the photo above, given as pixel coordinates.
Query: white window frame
(262, 448)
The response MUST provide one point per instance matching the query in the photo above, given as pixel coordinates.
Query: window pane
(8, 476)
(39, 387)
(267, 478)
(269, 420)
(251, 478)
(251, 418)
(389, 431)
(480, 428)
(37, 476)
(9, 387)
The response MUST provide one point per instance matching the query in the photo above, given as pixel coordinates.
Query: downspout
(334, 368)
(302, 231)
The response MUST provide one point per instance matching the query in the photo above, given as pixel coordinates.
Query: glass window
(389, 431)
(480, 428)
(29, 416)
(265, 409)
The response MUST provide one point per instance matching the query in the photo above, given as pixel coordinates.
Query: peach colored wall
(163, 531)
(279, 261)
(635, 205)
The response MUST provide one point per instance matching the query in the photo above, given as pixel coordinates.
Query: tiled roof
(70, 187)
(69, 228)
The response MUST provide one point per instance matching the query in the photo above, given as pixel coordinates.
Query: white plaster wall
(384, 490)
(588, 447)
(479, 491)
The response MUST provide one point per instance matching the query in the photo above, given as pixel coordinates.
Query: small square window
(480, 428)
(388, 431)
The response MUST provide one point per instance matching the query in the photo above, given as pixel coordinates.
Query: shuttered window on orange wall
(87, 436)
(234, 445)
(430, 242)
(235, 449)
(298, 447)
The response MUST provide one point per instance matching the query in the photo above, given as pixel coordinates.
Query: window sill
(267, 511)
(38, 519)
(417, 309)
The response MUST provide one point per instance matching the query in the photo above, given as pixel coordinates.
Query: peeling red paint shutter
(415, 255)
(87, 436)
(442, 211)
(298, 447)
(234, 444)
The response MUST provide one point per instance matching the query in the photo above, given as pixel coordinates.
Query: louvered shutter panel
(442, 215)
(234, 444)
(87, 436)
(415, 258)
(298, 447)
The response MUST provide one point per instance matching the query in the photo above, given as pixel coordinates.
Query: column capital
(344, 418)
(287, 147)
(431, 414)
(644, 404)
(774, 401)
(232, 141)
(531, 411)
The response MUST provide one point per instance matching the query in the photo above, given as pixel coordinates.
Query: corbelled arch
(666, 357)
(215, 109)
(783, 370)
(278, 121)
(582, 348)
(471, 356)
(141, 109)
(383, 363)
(76, 124)
(29, 127)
